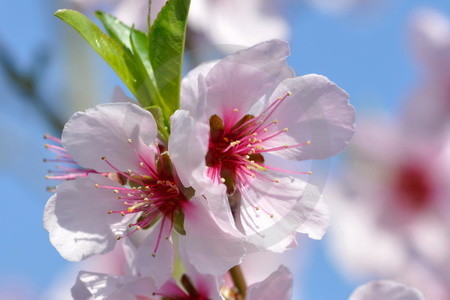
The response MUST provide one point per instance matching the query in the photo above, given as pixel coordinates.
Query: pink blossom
(386, 289)
(395, 213)
(220, 21)
(192, 285)
(88, 215)
(238, 112)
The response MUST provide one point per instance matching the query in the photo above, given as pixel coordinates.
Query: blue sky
(368, 56)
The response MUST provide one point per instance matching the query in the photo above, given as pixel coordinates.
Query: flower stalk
(238, 279)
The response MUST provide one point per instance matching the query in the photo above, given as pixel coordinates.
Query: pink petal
(318, 111)
(104, 131)
(283, 208)
(190, 86)
(188, 144)
(77, 219)
(386, 289)
(210, 248)
(277, 286)
(159, 267)
(241, 79)
(111, 287)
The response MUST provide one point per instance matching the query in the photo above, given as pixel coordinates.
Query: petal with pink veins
(241, 79)
(105, 131)
(77, 218)
(280, 210)
(316, 110)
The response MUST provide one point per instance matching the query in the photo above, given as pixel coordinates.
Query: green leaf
(116, 29)
(119, 58)
(166, 49)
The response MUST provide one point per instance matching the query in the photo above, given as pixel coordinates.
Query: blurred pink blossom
(234, 22)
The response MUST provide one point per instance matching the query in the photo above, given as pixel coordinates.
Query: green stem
(239, 280)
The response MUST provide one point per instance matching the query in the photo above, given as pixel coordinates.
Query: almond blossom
(88, 215)
(191, 285)
(220, 21)
(393, 219)
(239, 111)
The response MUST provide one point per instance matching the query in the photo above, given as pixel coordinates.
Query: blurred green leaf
(166, 48)
(118, 57)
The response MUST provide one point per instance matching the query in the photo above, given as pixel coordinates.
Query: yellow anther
(247, 156)
(235, 110)
(118, 237)
(265, 129)
(104, 158)
(109, 211)
(97, 185)
(222, 180)
(130, 209)
(289, 93)
(119, 197)
(129, 141)
(141, 164)
(122, 213)
(275, 121)
(138, 227)
(308, 143)
(154, 254)
(256, 207)
(116, 191)
(271, 216)
(310, 172)
(276, 181)
(286, 129)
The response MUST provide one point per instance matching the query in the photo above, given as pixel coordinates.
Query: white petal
(294, 205)
(190, 86)
(277, 286)
(159, 267)
(104, 131)
(317, 111)
(77, 219)
(211, 249)
(241, 79)
(208, 286)
(188, 145)
(386, 289)
(110, 287)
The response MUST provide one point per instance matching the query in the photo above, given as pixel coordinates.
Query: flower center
(235, 153)
(153, 193)
(413, 188)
